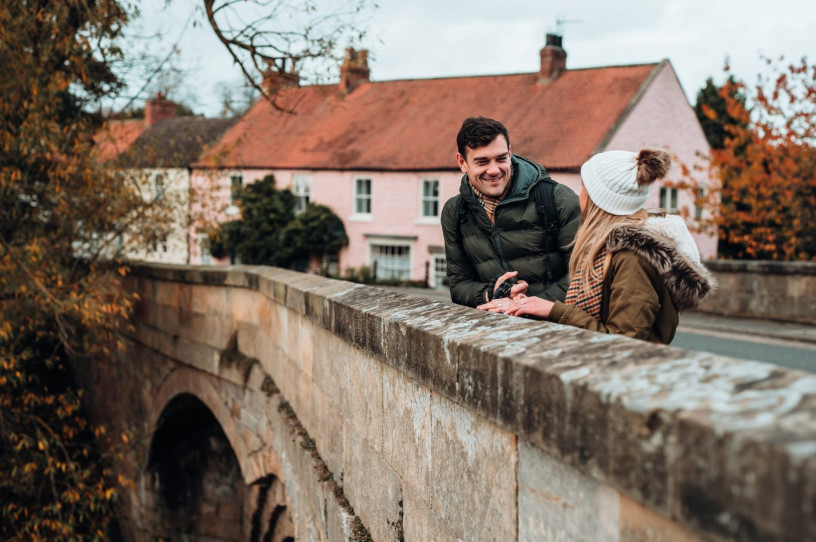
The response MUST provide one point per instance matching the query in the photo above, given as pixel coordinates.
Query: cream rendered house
(157, 153)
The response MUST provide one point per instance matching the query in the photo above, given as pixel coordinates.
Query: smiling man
(510, 229)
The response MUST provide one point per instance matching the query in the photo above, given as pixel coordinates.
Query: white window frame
(698, 208)
(390, 241)
(204, 256)
(302, 189)
(668, 196)
(232, 208)
(356, 197)
(423, 199)
(160, 185)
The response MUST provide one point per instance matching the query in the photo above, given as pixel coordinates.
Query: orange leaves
(766, 164)
(709, 112)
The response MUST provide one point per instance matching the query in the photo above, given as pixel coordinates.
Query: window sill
(427, 221)
(361, 218)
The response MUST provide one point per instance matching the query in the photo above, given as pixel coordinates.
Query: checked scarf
(590, 300)
(488, 203)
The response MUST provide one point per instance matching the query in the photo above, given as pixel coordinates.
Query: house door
(439, 269)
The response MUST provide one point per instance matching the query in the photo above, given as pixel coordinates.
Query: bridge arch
(193, 483)
(198, 477)
(206, 389)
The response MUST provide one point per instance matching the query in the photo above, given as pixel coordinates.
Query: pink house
(382, 154)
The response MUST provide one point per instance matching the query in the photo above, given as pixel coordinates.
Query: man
(498, 240)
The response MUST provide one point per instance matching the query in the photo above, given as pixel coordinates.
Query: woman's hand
(533, 306)
(497, 305)
(520, 306)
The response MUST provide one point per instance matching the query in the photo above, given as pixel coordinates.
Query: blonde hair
(596, 227)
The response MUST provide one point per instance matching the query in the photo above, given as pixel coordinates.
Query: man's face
(488, 168)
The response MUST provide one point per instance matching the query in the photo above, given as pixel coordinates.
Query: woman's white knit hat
(610, 179)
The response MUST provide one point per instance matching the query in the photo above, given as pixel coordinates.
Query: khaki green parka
(655, 274)
(481, 251)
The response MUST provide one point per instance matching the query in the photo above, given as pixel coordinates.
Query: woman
(632, 270)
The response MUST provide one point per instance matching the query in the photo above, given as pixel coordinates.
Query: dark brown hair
(479, 131)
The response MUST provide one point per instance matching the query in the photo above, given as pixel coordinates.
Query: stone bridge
(270, 405)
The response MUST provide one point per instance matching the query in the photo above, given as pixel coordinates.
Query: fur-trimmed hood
(665, 242)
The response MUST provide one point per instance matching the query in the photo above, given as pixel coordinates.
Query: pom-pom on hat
(618, 181)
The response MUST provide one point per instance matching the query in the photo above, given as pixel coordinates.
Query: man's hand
(519, 288)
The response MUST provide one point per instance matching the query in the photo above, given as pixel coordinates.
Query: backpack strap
(544, 196)
(459, 218)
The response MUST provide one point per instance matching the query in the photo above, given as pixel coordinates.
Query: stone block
(359, 328)
(165, 293)
(327, 428)
(407, 431)
(372, 487)
(362, 402)
(417, 343)
(639, 523)
(557, 503)
(210, 300)
(420, 523)
(276, 328)
(297, 290)
(307, 339)
(316, 301)
(292, 338)
(468, 447)
(204, 328)
(242, 305)
(330, 362)
(246, 334)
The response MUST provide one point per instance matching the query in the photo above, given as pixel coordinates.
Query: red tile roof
(412, 124)
(115, 137)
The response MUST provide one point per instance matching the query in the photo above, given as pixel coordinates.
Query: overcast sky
(439, 38)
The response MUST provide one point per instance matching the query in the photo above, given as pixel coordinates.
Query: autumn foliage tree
(765, 169)
(63, 218)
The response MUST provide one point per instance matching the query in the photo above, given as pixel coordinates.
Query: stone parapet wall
(768, 290)
(439, 422)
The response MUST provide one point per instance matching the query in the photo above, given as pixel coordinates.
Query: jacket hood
(665, 242)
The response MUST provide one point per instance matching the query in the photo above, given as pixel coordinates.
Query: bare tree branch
(288, 38)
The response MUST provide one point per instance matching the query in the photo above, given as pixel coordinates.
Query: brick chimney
(553, 59)
(159, 108)
(354, 69)
(274, 80)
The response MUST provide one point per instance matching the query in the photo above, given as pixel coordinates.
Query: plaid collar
(588, 299)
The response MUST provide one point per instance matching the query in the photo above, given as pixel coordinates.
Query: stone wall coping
(725, 446)
(764, 267)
